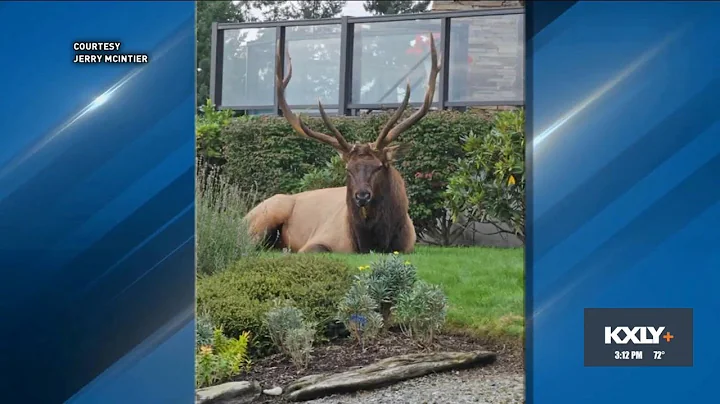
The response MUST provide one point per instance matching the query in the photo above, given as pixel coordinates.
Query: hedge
(264, 154)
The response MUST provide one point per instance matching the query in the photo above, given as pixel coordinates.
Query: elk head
(367, 164)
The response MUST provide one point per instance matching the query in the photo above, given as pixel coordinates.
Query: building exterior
(496, 47)
(356, 64)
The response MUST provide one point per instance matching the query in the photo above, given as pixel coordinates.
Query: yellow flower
(407, 262)
(206, 350)
(511, 180)
(364, 267)
(395, 252)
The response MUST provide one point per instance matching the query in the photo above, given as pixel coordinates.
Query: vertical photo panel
(97, 246)
(360, 202)
(624, 151)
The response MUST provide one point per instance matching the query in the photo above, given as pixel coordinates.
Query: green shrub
(389, 277)
(329, 176)
(489, 185)
(265, 154)
(204, 329)
(224, 359)
(357, 312)
(208, 132)
(239, 298)
(280, 319)
(222, 236)
(290, 332)
(298, 343)
(421, 311)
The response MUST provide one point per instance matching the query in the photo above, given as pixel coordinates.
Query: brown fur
(329, 220)
(369, 214)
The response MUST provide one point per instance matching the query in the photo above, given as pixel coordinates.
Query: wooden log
(385, 372)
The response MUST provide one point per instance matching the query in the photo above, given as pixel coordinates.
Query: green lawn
(485, 286)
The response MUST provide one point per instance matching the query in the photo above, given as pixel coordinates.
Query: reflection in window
(486, 59)
(261, 112)
(387, 55)
(248, 70)
(315, 53)
(300, 111)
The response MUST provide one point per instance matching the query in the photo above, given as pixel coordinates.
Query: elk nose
(362, 197)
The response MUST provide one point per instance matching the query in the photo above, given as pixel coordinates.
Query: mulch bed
(342, 355)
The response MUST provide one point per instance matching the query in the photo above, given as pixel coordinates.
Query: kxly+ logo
(636, 335)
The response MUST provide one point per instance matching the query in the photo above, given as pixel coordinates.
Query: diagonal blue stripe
(626, 208)
(636, 162)
(115, 179)
(105, 252)
(165, 258)
(95, 325)
(639, 238)
(120, 208)
(65, 164)
(157, 357)
(75, 164)
(545, 25)
(135, 249)
(545, 16)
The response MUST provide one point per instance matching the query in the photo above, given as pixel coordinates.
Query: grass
(485, 286)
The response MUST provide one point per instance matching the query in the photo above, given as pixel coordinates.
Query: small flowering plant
(358, 319)
(389, 277)
(221, 359)
(290, 332)
(421, 311)
(357, 311)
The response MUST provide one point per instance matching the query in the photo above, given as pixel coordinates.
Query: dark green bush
(239, 298)
(208, 132)
(329, 176)
(489, 185)
(265, 154)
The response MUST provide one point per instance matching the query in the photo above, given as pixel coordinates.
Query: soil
(342, 355)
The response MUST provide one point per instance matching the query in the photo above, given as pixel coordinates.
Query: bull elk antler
(337, 140)
(388, 133)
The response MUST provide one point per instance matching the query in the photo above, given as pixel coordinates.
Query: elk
(370, 213)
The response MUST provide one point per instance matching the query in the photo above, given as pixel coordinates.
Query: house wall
(451, 5)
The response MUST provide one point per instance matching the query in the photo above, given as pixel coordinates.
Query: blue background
(97, 205)
(624, 199)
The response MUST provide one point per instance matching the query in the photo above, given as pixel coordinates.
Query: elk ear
(395, 152)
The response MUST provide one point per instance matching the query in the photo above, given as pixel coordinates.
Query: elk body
(370, 213)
